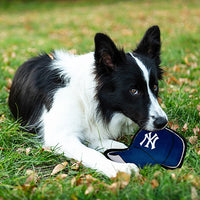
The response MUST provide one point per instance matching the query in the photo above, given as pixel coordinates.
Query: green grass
(31, 27)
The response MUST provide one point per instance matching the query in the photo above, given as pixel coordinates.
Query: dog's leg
(103, 145)
(73, 148)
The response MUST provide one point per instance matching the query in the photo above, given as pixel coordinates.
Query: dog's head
(127, 83)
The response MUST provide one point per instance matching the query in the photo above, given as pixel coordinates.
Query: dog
(82, 103)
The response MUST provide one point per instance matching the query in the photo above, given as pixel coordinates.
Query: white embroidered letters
(150, 140)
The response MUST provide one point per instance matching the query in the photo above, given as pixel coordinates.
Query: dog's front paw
(121, 167)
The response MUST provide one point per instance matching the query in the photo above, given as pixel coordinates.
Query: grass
(30, 27)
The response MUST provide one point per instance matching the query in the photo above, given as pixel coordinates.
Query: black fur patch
(33, 87)
(117, 73)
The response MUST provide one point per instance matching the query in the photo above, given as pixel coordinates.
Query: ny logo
(150, 140)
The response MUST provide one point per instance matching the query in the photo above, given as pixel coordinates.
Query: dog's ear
(150, 44)
(107, 56)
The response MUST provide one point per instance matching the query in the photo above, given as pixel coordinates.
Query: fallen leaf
(19, 150)
(10, 70)
(2, 118)
(122, 176)
(171, 80)
(32, 176)
(90, 179)
(183, 80)
(28, 150)
(89, 189)
(157, 173)
(173, 175)
(26, 187)
(159, 100)
(185, 127)
(194, 194)
(114, 187)
(76, 166)
(61, 176)
(142, 179)
(9, 83)
(121, 181)
(196, 130)
(154, 183)
(176, 68)
(73, 182)
(59, 168)
(173, 126)
(46, 149)
(193, 140)
(195, 180)
(198, 107)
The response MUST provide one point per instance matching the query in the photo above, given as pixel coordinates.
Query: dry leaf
(176, 68)
(157, 173)
(172, 80)
(193, 140)
(76, 166)
(185, 128)
(194, 194)
(61, 176)
(73, 182)
(2, 118)
(9, 83)
(159, 100)
(59, 168)
(173, 175)
(10, 70)
(89, 190)
(28, 150)
(195, 180)
(198, 151)
(122, 176)
(198, 107)
(196, 130)
(122, 180)
(46, 149)
(26, 187)
(154, 183)
(32, 178)
(142, 179)
(19, 150)
(91, 179)
(173, 126)
(114, 187)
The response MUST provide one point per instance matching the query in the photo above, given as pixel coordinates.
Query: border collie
(82, 103)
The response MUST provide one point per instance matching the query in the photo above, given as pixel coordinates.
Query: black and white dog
(82, 103)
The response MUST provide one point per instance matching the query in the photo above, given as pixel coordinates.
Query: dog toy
(165, 147)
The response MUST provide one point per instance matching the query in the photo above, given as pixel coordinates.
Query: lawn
(27, 170)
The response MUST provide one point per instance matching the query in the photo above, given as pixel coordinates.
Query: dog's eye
(133, 91)
(155, 88)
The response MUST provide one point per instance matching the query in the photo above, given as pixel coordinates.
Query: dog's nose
(160, 122)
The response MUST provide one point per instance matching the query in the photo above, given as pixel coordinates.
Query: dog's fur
(83, 102)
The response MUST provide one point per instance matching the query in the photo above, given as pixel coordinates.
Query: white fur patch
(72, 124)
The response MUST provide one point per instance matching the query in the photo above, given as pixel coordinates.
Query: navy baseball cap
(165, 147)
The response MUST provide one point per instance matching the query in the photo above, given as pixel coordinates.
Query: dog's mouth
(156, 125)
